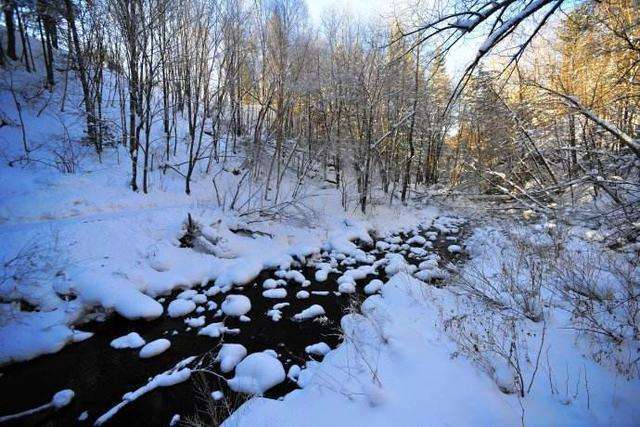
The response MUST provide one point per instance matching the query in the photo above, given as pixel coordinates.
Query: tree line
(361, 106)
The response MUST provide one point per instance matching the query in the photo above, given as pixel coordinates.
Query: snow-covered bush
(601, 290)
(213, 406)
(512, 282)
(520, 283)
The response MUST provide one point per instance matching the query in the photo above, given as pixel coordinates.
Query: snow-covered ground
(403, 361)
(82, 246)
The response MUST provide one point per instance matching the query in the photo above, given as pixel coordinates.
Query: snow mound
(373, 286)
(115, 293)
(418, 240)
(454, 249)
(236, 305)
(62, 398)
(347, 288)
(275, 293)
(302, 295)
(269, 284)
(230, 355)
(181, 307)
(215, 330)
(309, 313)
(195, 322)
(257, 373)
(154, 348)
(131, 340)
(319, 349)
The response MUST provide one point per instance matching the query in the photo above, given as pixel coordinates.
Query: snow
(116, 252)
(269, 284)
(454, 249)
(115, 294)
(215, 330)
(193, 295)
(373, 286)
(274, 314)
(418, 252)
(429, 264)
(319, 349)
(430, 274)
(257, 373)
(322, 272)
(397, 263)
(230, 355)
(309, 313)
(195, 322)
(293, 275)
(356, 274)
(294, 372)
(217, 395)
(180, 307)
(166, 379)
(347, 288)
(275, 293)
(412, 370)
(321, 293)
(34, 333)
(236, 305)
(302, 295)
(131, 340)
(155, 348)
(340, 239)
(419, 240)
(62, 398)
(79, 336)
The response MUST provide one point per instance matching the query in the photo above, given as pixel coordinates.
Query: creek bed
(100, 375)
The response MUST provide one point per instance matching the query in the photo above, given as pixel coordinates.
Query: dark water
(100, 375)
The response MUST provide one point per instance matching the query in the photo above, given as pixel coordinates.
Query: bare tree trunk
(8, 7)
(84, 81)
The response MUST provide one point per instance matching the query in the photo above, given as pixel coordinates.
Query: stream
(100, 375)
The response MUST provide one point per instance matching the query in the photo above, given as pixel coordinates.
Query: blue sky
(362, 8)
(374, 9)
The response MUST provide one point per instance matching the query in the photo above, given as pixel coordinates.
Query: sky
(375, 9)
(363, 8)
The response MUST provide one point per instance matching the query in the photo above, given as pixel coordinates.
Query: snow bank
(32, 334)
(392, 359)
(115, 293)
